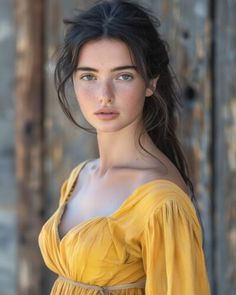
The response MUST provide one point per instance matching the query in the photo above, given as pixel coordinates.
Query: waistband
(105, 289)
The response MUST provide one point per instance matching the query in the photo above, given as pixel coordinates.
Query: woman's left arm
(173, 256)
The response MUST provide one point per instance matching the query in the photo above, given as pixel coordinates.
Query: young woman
(126, 222)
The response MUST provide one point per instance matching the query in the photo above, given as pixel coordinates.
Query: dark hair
(135, 25)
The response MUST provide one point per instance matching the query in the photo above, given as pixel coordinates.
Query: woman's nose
(105, 99)
(106, 94)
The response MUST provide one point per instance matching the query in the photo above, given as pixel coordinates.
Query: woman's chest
(89, 203)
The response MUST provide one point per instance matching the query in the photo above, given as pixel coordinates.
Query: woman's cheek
(84, 93)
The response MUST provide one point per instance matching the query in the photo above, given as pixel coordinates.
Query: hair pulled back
(135, 25)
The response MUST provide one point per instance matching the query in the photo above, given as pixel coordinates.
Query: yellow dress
(155, 235)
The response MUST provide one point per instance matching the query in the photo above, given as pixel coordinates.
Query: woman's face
(106, 77)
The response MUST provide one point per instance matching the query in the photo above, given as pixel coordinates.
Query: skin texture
(105, 183)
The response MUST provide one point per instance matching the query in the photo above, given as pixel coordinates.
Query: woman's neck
(121, 149)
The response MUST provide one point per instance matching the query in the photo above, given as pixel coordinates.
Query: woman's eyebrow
(113, 70)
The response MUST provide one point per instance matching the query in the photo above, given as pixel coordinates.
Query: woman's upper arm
(173, 256)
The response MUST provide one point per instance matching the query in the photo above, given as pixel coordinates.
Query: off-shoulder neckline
(143, 186)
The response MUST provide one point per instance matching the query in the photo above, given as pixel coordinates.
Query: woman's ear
(152, 86)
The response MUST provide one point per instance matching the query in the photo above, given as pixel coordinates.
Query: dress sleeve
(173, 256)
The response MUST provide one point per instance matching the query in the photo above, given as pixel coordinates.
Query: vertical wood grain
(29, 140)
(224, 146)
(8, 209)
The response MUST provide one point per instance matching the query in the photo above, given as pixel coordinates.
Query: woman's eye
(87, 77)
(125, 77)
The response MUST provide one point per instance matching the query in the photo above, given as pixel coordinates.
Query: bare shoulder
(171, 174)
(138, 175)
(174, 176)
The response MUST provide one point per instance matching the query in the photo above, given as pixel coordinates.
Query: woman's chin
(107, 130)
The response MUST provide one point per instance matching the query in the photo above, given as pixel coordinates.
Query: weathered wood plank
(29, 140)
(224, 147)
(8, 250)
(8, 212)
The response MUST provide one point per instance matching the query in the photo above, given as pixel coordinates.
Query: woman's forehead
(105, 52)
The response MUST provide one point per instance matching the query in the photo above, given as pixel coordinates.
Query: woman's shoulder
(165, 200)
(145, 180)
(69, 182)
(159, 192)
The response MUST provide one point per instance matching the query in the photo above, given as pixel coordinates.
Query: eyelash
(89, 75)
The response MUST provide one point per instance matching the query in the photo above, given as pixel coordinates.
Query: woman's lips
(107, 116)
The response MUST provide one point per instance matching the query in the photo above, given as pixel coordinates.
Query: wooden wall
(47, 146)
(8, 188)
(224, 147)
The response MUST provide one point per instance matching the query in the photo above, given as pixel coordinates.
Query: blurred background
(39, 146)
